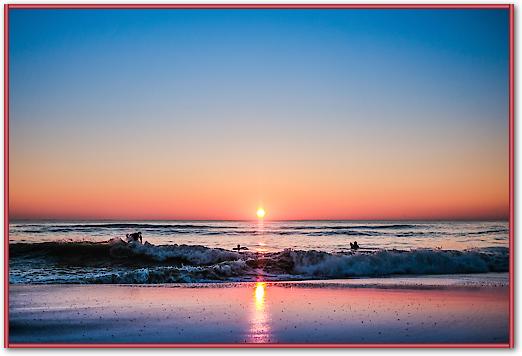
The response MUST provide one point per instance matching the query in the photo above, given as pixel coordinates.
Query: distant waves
(349, 229)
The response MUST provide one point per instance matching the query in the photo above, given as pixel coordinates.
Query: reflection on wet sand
(467, 309)
(260, 321)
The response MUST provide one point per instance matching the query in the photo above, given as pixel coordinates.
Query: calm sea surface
(268, 236)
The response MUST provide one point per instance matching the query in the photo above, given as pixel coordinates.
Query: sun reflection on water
(260, 295)
(260, 323)
(260, 233)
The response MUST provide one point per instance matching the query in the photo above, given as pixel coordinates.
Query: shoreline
(401, 281)
(425, 309)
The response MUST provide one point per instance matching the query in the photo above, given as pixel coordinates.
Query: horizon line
(255, 220)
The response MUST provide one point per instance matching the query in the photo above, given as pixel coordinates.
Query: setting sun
(260, 213)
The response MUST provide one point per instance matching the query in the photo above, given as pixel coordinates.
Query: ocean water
(201, 251)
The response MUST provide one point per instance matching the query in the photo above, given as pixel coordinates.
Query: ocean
(89, 252)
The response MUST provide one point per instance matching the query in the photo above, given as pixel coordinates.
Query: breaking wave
(116, 261)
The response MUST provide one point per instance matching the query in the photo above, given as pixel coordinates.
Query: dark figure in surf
(239, 248)
(135, 236)
(354, 246)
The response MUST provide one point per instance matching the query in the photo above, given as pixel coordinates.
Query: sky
(210, 114)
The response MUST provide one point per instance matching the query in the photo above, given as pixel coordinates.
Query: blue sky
(392, 85)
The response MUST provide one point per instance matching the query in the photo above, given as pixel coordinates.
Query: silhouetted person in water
(135, 236)
(239, 248)
(354, 246)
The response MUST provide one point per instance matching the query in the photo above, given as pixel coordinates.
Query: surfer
(239, 248)
(354, 246)
(135, 236)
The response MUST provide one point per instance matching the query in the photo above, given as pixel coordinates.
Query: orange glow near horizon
(456, 185)
(79, 199)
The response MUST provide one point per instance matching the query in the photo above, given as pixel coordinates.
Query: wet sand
(444, 309)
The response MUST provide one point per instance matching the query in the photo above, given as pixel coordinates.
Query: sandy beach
(440, 309)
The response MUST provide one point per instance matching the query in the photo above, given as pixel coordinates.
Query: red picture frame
(8, 7)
